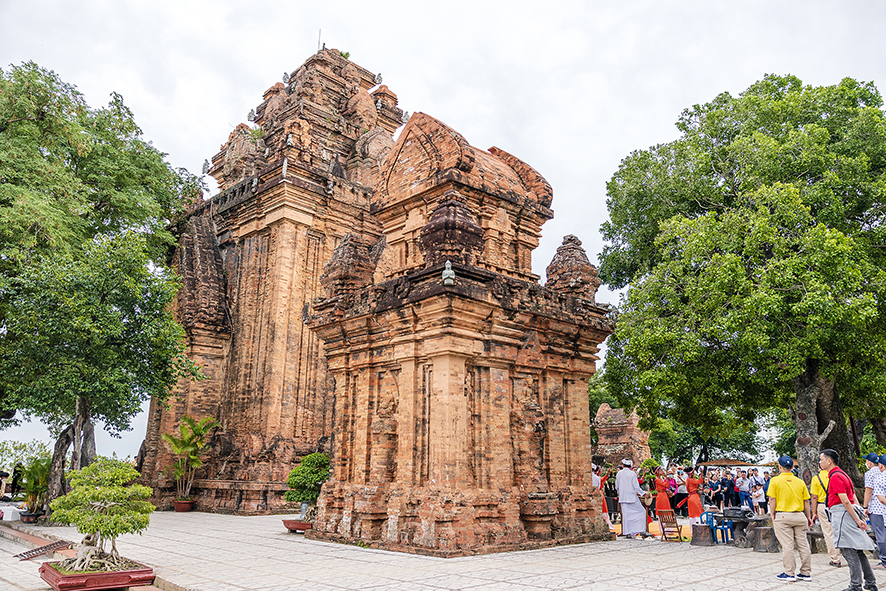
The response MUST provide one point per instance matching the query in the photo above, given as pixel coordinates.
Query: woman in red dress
(694, 481)
(662, 502)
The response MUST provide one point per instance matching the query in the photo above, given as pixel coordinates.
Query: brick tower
(461, 421)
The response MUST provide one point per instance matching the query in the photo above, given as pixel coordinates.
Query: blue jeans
(745, 499)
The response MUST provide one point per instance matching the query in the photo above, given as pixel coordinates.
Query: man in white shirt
(877, 510)
(872, 462)
(633, 511)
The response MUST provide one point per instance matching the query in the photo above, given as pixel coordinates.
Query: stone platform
(211, 552)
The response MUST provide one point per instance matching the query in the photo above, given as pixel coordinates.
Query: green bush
(103, 503)
(306, 479)
(35, 483)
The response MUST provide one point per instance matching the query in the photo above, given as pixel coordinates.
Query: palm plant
(35, 483)
(187, 450)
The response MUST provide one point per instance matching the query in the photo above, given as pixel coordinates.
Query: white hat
(627, 462)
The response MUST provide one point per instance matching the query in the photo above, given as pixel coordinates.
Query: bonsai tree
(35, 483)
(104, 502)
(187, 450)
(306, 479)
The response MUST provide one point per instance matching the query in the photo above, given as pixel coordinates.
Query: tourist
(743, 484)
(682, 494)
(633, 512)
(716, 494)
(877, 511)
(791, 518)
(662, 491)
(693, 502)
(597, 481)
(766, 480)
(757, 499)
(873, 472)
(727, 486)
(849, 528)
(818, 502)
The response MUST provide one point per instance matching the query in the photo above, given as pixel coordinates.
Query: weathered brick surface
(251, 259)
(461, 420)
(456, 415)
(619, 437)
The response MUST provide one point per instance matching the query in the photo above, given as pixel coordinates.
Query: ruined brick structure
(375, 300)
(619, 437)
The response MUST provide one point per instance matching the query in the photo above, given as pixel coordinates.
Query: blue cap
(872, 457)
(786, 461)
(883, 459)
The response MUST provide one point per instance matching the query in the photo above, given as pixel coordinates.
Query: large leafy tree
(749, 309)
(827, 145)
(76, 182)
(90, 338)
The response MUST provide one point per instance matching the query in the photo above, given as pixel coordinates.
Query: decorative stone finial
(349, 269)
(571, 271)
(448, 274)
(451, 234)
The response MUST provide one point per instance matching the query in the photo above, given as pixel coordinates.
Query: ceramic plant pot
(295, 525)
(29, 517)
(183, 506)
(88, 581)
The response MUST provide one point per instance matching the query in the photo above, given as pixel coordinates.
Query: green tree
(307, 478)
(104, 503)
(71, 179)
(827, 143)
(753, 308)
(684, 443)
(188, 450)
(69, 173)
(90, 338)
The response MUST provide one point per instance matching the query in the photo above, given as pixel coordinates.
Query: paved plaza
(210, 552)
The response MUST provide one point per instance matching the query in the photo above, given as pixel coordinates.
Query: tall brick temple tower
(375, 300)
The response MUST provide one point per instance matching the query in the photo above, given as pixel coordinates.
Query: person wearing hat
(871, 460)
(791, 517)
(877, 511)
(849, 529)
(633, 511)
(818, 501)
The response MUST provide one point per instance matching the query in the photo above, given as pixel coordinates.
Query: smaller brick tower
(461, 421)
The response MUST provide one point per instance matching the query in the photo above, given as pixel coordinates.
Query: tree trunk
(879, 426)
(830, 408)
(809, 387)
(57, 485)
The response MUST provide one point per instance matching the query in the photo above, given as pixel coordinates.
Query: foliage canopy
(306, 479)
(753, 245)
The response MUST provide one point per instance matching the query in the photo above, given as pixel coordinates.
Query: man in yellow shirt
(791, 517)
(819, 503)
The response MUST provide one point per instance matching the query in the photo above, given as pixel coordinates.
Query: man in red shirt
(849, 530)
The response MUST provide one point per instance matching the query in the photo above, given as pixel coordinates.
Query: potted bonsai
(188, 449)
(35, 485)
(304, 483)
(104, 502)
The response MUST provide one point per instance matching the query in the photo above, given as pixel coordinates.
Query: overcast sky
(569, 87)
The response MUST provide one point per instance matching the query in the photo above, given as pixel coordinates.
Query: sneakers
(804, 577)
(836, 563)
(786, 578)
(880, 565)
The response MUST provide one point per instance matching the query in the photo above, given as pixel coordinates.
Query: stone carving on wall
(315, 300)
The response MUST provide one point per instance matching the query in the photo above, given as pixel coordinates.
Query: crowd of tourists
(793, 506)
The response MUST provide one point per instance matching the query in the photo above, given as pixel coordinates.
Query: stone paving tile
(205, 552)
